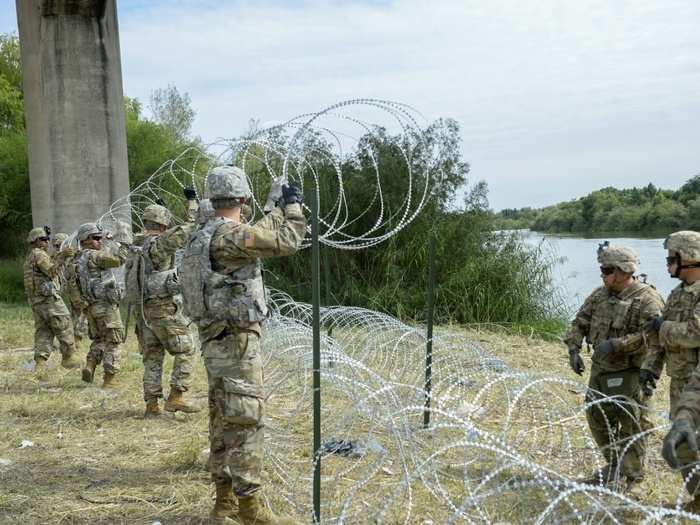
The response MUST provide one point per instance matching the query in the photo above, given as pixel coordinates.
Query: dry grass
(95, 460)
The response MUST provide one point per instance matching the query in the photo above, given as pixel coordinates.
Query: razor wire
(322, 152)
(504, 445)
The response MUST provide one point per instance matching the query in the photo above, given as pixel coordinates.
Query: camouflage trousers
(686, 457)
(167, 330)
(236, 403)
(615, 423)
(52, 319)
(80, 324)
(107, 333)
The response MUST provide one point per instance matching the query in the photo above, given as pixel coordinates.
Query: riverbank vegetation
(646, 210)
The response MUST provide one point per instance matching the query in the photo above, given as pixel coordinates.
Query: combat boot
(109, 381)
(152, 409)
(225, 508)
(604, 476)
(251, 511)
(89, 370)
(40, 367)
(176, 402)
(70, 361)
(693, 506)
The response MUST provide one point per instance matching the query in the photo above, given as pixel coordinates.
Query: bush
(11, 281)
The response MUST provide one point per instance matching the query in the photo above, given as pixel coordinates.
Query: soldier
(612, 319)
(101, 292)
(51, 317)
(224, 293)
(68, 292)
(160, 323)
(678, 330)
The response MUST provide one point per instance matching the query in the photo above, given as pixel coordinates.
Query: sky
(555, 99)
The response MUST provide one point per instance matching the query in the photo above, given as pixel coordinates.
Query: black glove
(576, 361)
(47, 229)
(160, 201)
(190, 193)
(606, 347)
(292, 194)
(647, 378)
(654, 324)
(681, 431)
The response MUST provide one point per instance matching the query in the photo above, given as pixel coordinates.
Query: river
(576, 269)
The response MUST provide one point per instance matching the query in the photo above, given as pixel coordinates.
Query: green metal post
(429, 345)
(316, 302)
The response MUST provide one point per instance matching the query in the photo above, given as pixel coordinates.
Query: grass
(95, 460)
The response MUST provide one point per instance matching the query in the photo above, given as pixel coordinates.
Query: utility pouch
(242, 403)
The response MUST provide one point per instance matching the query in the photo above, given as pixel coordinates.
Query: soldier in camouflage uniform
(612, 319)
(69, 293)
(101, 292)
(678, 345)
(51, 317)
(223, 257)
(160, 323)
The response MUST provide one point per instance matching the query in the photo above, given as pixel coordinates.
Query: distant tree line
(648, 210)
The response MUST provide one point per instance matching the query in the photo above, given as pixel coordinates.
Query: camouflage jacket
(607, 315)
(160, 249)
(678, 341)
(235, 245)
(41, 280)
(96, 262)
(689, 403)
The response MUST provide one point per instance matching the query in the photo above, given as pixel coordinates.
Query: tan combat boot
(89, 370)
(225, 508)
(176, 402)
(251, 511)
(152, 409)
(70, 361)
(109, 381)
(40, 368)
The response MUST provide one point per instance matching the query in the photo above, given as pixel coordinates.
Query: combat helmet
(685, 243)
(58, 240)
(226, 185)
(87, 229)
(622, 257)
(157, 214)
(37, 233)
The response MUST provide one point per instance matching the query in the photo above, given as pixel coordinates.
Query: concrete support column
(72, 85)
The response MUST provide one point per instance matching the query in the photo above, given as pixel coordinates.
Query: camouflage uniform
(231, 346)
(160, 322)
(620, 317)
(69, 292)
(51, 317)
(678, 345)
(104, 320)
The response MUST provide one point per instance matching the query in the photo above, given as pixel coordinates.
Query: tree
(172, 110)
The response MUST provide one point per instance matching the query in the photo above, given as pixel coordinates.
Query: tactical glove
(292, 194)
(576, 361)
(274, 196)
(47, 229)
(647, 378)
(654, 324)
(606, 347)
(681, 431)
(190, 193)
(160, 201)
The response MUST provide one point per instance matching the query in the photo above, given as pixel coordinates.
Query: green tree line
(647, 210)
(482, 276)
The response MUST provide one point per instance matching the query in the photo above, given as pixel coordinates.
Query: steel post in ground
(316, 314)
(430, 299)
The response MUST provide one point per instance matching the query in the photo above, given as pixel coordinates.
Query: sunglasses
(96, 237)
(43, 239)
(607, 270)
(671, 260)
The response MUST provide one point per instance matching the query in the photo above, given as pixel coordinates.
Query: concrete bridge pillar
(72, 83)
